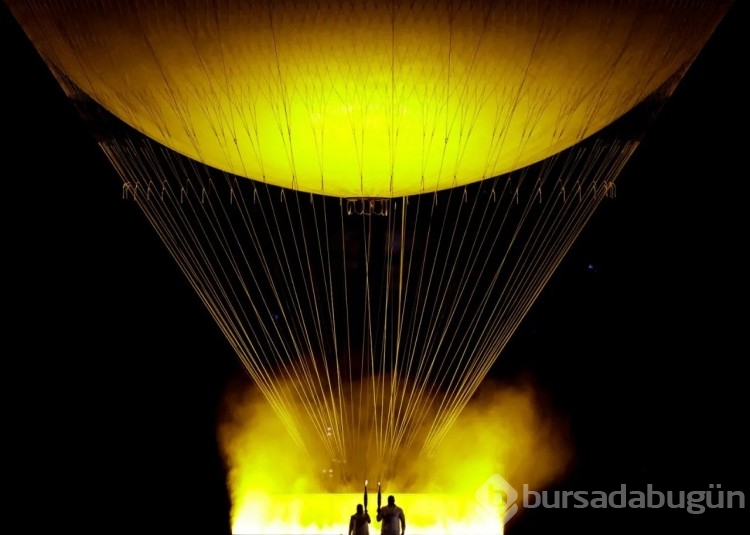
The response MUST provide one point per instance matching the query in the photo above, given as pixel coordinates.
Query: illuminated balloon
(368, 98)
(368, 196)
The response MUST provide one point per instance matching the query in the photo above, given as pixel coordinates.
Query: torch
(365, 498)
(379, 497)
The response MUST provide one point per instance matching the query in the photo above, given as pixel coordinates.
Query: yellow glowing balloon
(368, 98)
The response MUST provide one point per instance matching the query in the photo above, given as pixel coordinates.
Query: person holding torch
(392, 518)
(359, 521)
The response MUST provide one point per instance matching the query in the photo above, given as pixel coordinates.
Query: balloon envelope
(368, 98)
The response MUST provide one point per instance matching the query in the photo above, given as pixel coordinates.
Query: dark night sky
(118, 371)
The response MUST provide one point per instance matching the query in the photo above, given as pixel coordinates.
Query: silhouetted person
(392, 518)
(358, 523)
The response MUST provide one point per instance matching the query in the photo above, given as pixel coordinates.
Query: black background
(115, 372)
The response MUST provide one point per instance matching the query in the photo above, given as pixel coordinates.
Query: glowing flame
(318, 514)
(505, 431)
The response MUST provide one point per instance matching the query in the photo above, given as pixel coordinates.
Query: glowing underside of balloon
(361, 99)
